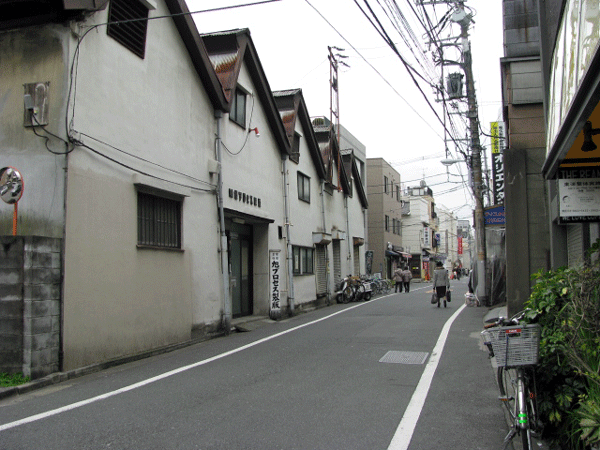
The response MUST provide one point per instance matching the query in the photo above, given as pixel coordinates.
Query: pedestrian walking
(398, 278)
(441, 282)
(406, 277)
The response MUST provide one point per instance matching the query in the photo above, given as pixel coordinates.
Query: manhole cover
(401, 357)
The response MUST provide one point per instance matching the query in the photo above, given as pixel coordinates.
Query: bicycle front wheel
(507, 384)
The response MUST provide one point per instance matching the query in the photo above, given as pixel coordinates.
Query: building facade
(385, 218)
(420, 225)
(174, 214)
(526, 199)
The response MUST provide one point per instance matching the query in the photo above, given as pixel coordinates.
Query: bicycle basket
(514, 346)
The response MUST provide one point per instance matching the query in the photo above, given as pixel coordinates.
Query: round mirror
(11, 185)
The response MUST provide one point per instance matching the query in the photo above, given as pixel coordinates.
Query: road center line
(407, 426)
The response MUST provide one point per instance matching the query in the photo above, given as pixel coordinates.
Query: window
(398, 193)
(303, 187)
(385, 184)
(131, 33)
(238, 108)
(387, 223)
(295, 156)
(303, 260)
(159, 221)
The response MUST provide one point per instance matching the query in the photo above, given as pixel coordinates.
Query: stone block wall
(30, 296)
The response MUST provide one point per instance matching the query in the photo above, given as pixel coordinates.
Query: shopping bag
(448, 296)
(434, 298)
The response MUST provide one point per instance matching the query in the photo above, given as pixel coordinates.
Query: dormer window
(238, 108)
(128, 24)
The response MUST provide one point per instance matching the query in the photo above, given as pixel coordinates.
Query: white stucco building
(185, 194)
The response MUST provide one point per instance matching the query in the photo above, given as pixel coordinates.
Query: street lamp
(449, 162)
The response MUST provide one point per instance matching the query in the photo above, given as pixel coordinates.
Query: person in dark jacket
(441, 282)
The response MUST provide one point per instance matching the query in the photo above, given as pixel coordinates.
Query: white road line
(407, 426)
(140, 384)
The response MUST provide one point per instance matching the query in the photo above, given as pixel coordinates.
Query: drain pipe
(290, 262)
(348, 229)
(324, 224)
(226, 320)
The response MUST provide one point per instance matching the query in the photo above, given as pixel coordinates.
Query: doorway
(240, 263)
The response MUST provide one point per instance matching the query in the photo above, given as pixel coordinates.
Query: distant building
(420, 225)
(385, 218)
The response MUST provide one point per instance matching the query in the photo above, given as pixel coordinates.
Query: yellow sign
(497, 132)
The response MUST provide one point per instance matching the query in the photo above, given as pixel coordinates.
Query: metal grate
(402, 357)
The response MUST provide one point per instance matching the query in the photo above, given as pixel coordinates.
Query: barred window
(125, 26)
(303, 260)
(159, 221)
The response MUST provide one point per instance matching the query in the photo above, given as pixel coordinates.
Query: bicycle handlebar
(503, 321)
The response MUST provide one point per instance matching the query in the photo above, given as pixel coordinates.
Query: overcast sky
(379, 103)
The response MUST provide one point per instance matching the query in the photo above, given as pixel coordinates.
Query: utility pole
(464, 21)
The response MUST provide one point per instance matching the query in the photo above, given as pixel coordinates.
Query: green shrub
(7, 380)
(566, 303)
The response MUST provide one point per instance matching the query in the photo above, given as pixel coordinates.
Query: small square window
(159, 221)
(303, 260)
(238, 108)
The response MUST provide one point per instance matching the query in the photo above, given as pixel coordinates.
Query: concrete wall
(30, 280)
(30, 56)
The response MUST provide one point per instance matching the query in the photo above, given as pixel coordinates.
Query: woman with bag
(398, 278)
(441, 282)
(406, 277)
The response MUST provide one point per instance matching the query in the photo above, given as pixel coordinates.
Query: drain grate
(402, 357)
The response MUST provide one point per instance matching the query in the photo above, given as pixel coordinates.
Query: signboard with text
(495, 216)
(579, 195)
(498, 139)
(275, 285)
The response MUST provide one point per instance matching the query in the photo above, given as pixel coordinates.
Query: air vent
(127, 24)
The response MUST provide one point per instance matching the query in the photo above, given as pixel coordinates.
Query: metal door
(240, 260)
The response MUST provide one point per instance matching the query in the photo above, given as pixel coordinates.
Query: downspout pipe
(348, 230)
(290, 262)
(324, 224)
(226, 319)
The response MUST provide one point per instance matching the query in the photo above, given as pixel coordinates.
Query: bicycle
(515, 346)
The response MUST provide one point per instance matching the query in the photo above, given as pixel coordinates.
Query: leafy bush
(7, 380)
(566, 303)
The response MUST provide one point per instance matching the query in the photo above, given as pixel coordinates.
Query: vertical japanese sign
(460, 245)
(498, 139)
(275, 288)
(426, 237)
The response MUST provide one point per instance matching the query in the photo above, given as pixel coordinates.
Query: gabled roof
(292, 108)
(330, 152)
(227, 51)
(351, 169)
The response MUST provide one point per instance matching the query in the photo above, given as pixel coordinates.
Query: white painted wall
(119, 299)
(253, 165)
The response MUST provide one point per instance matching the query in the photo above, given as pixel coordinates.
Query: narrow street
(340, 377)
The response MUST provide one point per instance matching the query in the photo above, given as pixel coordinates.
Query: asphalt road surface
(393, 373)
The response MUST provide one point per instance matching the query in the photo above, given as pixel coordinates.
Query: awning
(392, 253)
